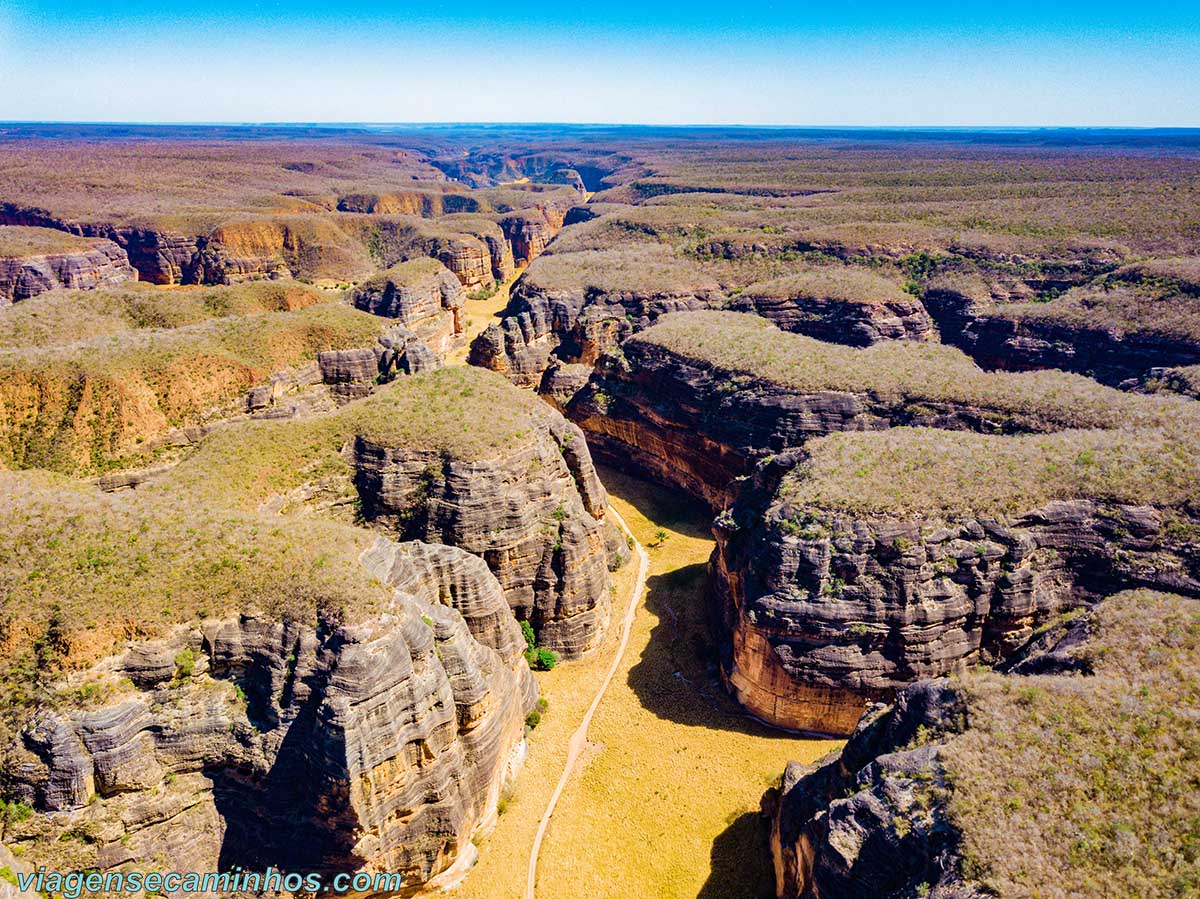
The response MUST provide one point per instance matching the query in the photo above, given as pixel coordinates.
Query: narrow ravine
(663, 798)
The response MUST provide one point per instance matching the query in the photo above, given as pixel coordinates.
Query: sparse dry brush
(737, 345)
(99, 569)
(1068, 786)
(458, 412)
(17, 241)
(924, 471)
(90, 405)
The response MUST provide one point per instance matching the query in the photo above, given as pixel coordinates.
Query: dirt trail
(579, 738)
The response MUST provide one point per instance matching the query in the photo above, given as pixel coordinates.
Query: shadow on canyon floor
(677, 676)
(741, 861)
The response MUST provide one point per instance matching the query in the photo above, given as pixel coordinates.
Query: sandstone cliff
(455, 456)
(423, 295)
(970, 786)
(697, 399)
(35, 260)
(535, 512)
(841, 305)
(897, 553)
(370, 736)
(826, 611)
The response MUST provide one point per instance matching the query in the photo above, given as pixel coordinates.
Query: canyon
(914, 480)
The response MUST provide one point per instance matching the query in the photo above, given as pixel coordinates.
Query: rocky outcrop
(826, 612)
(104, 264)
(354, 373)
(699, 423)
(839, 321)
(1014, 343)
(378, 745)
(574, 325)
(424, 295)
(535, 513)
(529, 231)
(871, 821)
(970, 786)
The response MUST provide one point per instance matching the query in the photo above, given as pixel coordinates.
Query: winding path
(579, 738)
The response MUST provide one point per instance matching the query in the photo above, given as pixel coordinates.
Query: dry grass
(17, 241)
(905, 471)
(126, 566)
(71, 316)
(87, 407)
(844, 284)
(741, 348)
(1123, 309)
(1068, 786)
(649, 269)
(460, 412)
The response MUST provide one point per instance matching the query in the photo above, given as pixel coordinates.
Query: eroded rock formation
(424, 295)
(535, 513)
(104, 264)
(378, 745)
(958, 790)
(827, 612)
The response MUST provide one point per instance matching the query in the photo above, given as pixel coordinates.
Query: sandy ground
(665, 801)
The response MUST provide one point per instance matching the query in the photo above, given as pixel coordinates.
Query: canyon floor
(666, 801)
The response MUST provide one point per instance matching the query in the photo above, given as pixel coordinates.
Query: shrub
(544, 659)
(185, 663)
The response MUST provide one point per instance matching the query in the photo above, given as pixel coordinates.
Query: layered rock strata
(681, 403)
(376, 746)
(102, 264)
(956, 790)
(826, 612)
(424, 295)
(572, 325)
(858, 323)
(535, 513)
(1108, 354)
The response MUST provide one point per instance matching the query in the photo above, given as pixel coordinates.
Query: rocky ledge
(36, 260)
(970, 787)
(534, 511)
(826, 611)
(368, 731)
(572, 307)
(840, 305)
(455, 456)
(424, 295)
(696, 400)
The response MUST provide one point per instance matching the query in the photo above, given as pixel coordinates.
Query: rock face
(424, 295)
(528, 232)
(574, 326)
(871, 820)
(534, 513)
(690, 424)
(828, 612)
(376, 746)
(958, 789)
(354, 373)
(104, 265)
(825, 611)
(1110, 356)
(838, 321)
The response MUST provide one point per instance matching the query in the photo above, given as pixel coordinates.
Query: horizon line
(448, 123)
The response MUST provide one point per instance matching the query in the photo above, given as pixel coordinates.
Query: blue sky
(738, 61)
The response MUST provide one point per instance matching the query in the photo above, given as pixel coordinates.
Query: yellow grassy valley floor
(665, 803)
(480, 314)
